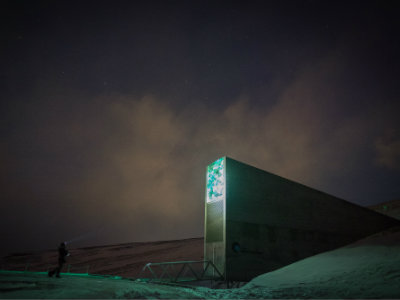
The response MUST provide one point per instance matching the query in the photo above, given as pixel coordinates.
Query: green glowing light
(216, 181)
(62, 274)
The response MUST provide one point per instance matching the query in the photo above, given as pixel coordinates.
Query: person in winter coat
(62, 253)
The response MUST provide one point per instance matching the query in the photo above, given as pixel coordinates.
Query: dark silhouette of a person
(62, 253)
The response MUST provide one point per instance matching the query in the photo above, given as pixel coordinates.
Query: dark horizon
(110, 111)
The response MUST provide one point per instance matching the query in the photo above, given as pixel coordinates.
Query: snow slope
(125, 260)
(369, 268)
(38, 286)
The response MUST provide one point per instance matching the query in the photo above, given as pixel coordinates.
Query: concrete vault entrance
(256, 221)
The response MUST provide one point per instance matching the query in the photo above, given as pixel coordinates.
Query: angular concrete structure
(256, 221)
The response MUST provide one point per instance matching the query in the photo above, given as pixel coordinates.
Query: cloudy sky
(111, 110)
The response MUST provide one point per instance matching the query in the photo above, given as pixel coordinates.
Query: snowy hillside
(369, 268)
(125, 260)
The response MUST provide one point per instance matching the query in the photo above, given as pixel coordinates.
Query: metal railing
(182, 271)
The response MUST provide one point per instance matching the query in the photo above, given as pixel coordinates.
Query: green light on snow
(215, 181)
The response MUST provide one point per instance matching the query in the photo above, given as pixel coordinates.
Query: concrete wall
(277, 221)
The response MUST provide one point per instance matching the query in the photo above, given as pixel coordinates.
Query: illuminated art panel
(216, 181)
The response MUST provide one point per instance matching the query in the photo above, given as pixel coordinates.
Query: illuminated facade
(216, 181)
(256, 221)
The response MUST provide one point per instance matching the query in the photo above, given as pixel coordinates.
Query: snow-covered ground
(39, 286)
(369, 268)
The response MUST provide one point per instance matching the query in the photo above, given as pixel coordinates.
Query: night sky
(111, 110)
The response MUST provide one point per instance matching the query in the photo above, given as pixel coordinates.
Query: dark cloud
(136, 166)
(111, 117)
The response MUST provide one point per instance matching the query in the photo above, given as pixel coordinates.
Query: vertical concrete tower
(256, 221)
(215, 214)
